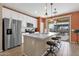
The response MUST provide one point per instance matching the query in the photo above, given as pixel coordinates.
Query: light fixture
(52, 11)
(51, 8)
(55, 11)
(46, 9)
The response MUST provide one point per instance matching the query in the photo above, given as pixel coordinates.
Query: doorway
(62, 25)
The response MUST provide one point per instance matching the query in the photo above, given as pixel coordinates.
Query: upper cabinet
(7, 13)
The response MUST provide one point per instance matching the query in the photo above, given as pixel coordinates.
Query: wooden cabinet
(34, 46)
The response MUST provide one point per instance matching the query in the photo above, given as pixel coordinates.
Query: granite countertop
(40, 35)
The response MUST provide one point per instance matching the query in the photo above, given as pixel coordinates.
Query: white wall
(6, 13)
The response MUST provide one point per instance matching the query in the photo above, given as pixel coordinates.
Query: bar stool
(57, 41)
(51, 49)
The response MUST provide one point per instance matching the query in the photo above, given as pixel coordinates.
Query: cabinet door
(12, 40)
(6, 37)
(19, 39)
(16, 32)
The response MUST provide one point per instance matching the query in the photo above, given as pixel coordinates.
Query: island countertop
(35, 43)
(40, 35)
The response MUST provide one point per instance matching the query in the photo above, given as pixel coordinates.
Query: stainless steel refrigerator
(11, 33)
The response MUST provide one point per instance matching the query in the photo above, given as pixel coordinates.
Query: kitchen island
(35, 43)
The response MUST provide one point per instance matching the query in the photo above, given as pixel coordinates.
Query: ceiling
(38, 9)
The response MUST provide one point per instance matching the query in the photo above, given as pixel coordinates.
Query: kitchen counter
(40, 35)
(35, 43)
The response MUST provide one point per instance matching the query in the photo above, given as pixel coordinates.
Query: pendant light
(46, 10)
(51, 8)
(55, 11)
